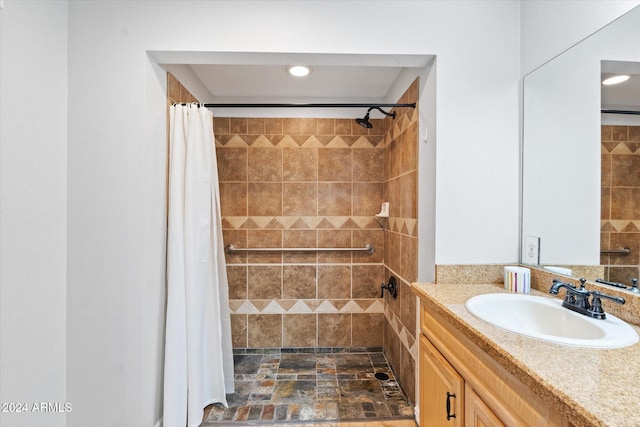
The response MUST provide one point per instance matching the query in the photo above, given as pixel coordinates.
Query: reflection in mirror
(565, 164)
(620, 171)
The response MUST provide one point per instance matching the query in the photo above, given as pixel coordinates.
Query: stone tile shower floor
(313, 387)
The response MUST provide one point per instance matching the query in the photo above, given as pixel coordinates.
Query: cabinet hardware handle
(449, 414)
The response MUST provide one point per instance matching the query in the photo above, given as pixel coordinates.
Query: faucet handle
(617, 300)
(634, 286)
(581, 297)
(596, 310)
(582, 282)
(392, 287)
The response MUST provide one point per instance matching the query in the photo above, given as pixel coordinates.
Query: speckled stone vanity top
(590, 387)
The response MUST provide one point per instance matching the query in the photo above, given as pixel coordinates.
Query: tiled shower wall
(302, 183)
(400, 237)
(620, 217)
(318, 183)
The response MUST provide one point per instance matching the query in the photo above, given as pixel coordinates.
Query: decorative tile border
(616, 147)
(620, 226)
(299, 222)
(406, 338)
(299, 141)
(405, 226)
(300, 306)
(401, 124)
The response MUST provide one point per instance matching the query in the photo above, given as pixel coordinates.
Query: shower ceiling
(240, 77)
(273, 81)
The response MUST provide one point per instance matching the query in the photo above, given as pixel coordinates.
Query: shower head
(365, 123)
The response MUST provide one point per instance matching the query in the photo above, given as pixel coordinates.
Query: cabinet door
(476, 412)
(441, 389)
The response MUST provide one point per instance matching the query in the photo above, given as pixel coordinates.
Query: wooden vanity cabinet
(476, 412)
(442, 392)
(486, 395)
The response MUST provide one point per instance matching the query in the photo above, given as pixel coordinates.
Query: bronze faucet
(577, 299)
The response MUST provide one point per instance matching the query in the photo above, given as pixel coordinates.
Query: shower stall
(314, 336)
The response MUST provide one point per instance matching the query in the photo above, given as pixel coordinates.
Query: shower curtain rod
(637, 113)
(312, 105)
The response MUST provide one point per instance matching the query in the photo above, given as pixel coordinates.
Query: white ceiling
(238, 77)
(273, 81)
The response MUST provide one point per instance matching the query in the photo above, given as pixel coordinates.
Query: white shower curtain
(198, 366)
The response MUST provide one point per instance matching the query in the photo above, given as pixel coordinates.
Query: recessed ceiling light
(615, 80)
(298, 70)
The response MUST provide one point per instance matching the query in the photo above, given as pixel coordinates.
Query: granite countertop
(590, 387)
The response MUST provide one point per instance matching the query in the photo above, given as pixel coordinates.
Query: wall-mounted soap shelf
(384, 211)
(383, 215)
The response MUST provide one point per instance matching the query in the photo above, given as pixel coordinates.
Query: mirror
(564, 166)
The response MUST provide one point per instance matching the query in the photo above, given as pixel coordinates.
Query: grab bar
(623, 251)
(368, 248)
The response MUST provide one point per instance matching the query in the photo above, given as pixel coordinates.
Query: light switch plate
(532, 250)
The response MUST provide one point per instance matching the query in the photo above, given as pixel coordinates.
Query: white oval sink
(545, 318)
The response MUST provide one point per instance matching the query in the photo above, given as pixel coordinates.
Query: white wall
(551, 27)
(116, 201)
(33, 147)
(477, 127)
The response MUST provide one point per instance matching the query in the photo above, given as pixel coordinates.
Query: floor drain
(382, 376)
